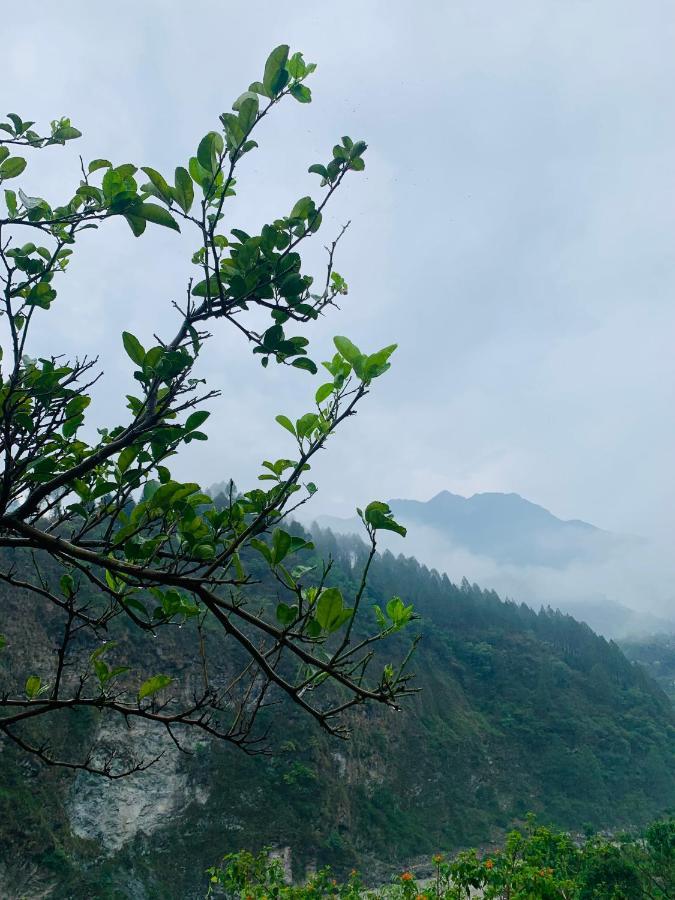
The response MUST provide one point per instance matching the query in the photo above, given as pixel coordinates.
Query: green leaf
(377, 363)
(96, 164)
(184, 191)
(329, 606)
(242, 98)
(281, 544)
(204, 551)
(313, 628)
(199, 174)
(399, 613)
(10, 200)
(347, 350)
(126, 457)
(276, 76)
(292, 285)
(41, 295)
(331, 613)
(99, 651)
(153, 357)
(33, 686)
(304, 363)
(159, 182)
(303, 208)
(247, 107)
(203, 288)
(18, 124)
(318, 169)
(151, 212)
(66, 133)
(286, 423)
(380, 517)
(210, 146)
(113, 583)
(12, 167)
(286, 614)
(306, 424)
(133, 347)
(90, 193)
(324, 391)
(296, 66)
(195, 419)
(136, 223)
(380, 617)
(259, 88)
(301, 93)
(262, 548)
(3, 641)
(153, 685)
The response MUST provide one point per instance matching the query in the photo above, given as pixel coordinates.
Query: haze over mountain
(617, 583)
(504, 527)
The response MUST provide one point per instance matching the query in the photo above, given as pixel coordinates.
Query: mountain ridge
(504, 526)
(522, 550)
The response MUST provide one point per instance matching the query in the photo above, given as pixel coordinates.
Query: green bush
(537, 863)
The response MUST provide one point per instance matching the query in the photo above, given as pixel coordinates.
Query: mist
(625, 591)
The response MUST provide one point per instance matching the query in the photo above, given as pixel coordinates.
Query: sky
(513, 231)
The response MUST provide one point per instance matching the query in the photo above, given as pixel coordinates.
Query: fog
(625, 591)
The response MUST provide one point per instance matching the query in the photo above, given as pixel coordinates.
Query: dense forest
(656, 654)
(517, 711)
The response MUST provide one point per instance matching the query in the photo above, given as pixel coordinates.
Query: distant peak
(481, 495)
(443, 495)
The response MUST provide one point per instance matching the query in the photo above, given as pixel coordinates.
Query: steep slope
(517, 711)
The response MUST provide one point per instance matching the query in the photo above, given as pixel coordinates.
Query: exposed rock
(112, 813)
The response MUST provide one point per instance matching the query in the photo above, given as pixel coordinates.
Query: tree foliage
(99, 530)
(535, 863)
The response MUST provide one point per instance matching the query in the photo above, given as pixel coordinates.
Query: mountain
(518, 710)
(521, 550)
(505, 528)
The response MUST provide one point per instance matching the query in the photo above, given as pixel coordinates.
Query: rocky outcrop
(113, 812)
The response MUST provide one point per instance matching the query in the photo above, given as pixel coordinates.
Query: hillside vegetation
(517, 711)
(656, 655)
(535, 863)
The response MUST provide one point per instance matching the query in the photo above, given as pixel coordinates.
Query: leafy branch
(117, 544)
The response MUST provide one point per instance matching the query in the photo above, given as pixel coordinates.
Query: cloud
(513, 230)
(629, 590)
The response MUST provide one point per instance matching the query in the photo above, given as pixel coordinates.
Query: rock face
(113, 813)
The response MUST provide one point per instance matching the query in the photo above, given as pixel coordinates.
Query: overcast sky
(513, 231)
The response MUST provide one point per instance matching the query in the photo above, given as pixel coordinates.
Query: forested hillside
(517, 711)
(656, 654)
